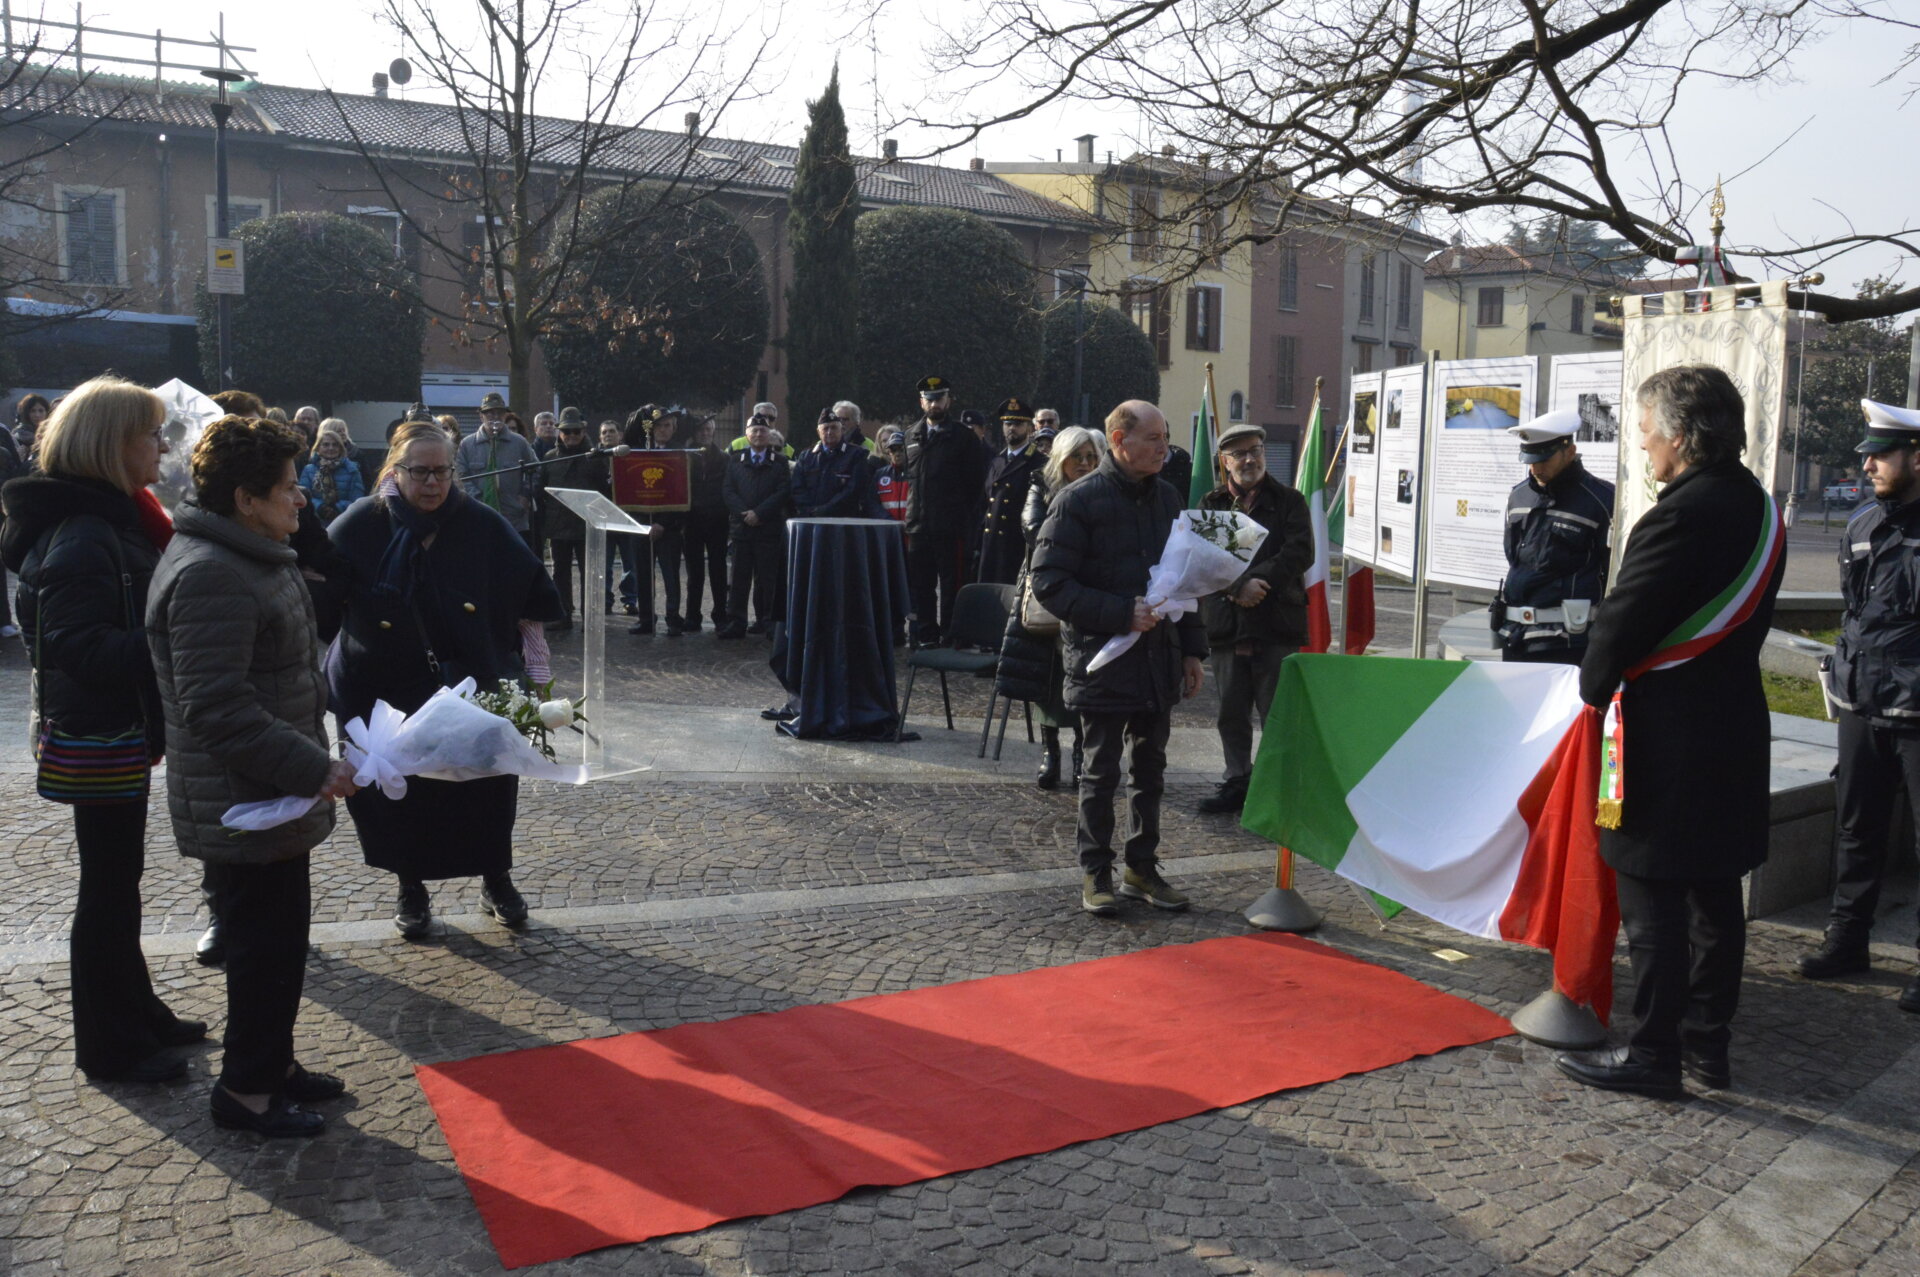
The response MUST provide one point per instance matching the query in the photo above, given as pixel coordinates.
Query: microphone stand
(616, 450)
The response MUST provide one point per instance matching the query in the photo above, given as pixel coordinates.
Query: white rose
(556, 714)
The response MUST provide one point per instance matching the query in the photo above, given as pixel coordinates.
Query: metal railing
(26, 36)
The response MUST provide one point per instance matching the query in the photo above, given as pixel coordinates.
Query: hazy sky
(1850, 159)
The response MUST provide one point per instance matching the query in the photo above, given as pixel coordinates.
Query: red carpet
(569, 1148)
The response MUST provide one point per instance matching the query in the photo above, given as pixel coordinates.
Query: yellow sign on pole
(226, 267)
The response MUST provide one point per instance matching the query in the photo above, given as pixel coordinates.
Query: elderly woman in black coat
(1030, 668)
(83, 536)
(441, 588)
(1693, 806)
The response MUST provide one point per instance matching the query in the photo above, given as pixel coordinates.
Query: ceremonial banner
(1463, 790)
(651, 482)
(1475, 465)
(1748, 341)
(1311, 482)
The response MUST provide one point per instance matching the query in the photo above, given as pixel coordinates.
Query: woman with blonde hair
(83, 536)
(1030, 665)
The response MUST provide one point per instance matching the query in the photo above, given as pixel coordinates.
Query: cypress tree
(823, 301)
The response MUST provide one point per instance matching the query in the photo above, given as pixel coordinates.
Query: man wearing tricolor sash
(1674, 658)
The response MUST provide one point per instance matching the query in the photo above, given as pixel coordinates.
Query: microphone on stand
(613, 450)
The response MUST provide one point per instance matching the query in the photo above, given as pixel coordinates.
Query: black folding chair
(980, 614)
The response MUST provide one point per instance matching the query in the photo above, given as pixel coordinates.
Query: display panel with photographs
(1475, 465)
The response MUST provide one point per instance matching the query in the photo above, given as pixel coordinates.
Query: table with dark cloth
(846, 598)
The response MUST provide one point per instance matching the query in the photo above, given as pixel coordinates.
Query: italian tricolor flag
(1462, 790)
(1311, 482)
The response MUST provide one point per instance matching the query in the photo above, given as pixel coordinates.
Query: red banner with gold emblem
(651, 482)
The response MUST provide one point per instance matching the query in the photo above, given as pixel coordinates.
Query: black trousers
(759, 570)
(1544, 655)
(667, 550)
(1875, 762)
(1246, 695)
(1144, 735)
(936, 568)
(706, 551)
(1687, 941)
(570, 557)
(264, 911)
(117, 1020)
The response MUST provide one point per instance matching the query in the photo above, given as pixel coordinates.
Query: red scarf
(154, 519)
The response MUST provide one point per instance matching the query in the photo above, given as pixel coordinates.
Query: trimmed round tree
(669, 304)
(947, 293)
(329, 316)
(1117, 362)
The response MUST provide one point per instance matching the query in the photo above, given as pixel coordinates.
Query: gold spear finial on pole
(1719, 210)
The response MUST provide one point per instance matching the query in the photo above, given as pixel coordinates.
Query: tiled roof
(1504, 259)
(127, 98)
(434, 128)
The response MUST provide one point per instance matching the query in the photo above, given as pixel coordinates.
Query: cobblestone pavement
(1480, 1160)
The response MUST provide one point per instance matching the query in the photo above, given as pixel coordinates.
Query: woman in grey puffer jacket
(231, 625)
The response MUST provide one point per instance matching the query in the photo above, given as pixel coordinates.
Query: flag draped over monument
(1462, 790)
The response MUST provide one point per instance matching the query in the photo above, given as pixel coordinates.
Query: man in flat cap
(1875, 686)
(946, 468)
(1261, 619)
(1009, 475)
(1558, 519)
(493, 447)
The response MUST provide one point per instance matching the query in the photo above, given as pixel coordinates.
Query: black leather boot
(1049, 777)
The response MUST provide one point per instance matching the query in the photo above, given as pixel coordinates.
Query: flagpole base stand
(1283, 909)
(1553, 1019)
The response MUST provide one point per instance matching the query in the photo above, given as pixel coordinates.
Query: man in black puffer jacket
(1090, 564)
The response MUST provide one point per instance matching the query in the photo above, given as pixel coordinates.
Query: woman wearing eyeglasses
(442, 588)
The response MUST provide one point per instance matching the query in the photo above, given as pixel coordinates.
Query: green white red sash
(1719, 617)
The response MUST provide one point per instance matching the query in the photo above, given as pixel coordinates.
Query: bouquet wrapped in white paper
(448, 738)
(189, 413)
(1206, 551)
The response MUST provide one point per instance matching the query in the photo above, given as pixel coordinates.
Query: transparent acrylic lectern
(612, 737)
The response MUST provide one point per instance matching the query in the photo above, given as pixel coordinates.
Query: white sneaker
(9, 631)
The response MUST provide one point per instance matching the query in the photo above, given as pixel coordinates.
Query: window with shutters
(1289, 277)
(92, 235)
(1493, 307)
(1149, 303)
(391, 227)
(1403, 303)
(240, 210)
(477, 268)
(1362, 356)
(1369, 285)
(1143, 235)
(1203, 317)
(1286, 372)
(1209, 233)
(1579, 324)
(1402, 356)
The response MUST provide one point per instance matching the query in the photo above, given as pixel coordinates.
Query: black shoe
(1910, 996)
(1049, 777)
(182, 1033)
(759, 627)
(780, 713)
(211, 951)
(413, 915)
(691, 625)
(283, 1119)
(1840, 953)
(1708, 1068)
(641, 627)
(499, 897)
(1615, 1069)
(675, 627)
(631, 609)
(729, 633)
(158, 1067)
(1231, 796)
(303, 1087)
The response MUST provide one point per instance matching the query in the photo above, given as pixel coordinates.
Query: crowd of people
(201, 636)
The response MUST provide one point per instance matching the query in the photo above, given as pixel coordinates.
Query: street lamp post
(222, 112)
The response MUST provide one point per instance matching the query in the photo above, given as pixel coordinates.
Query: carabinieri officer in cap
(1558, 519)
(1875, 685)
(1003, 546)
